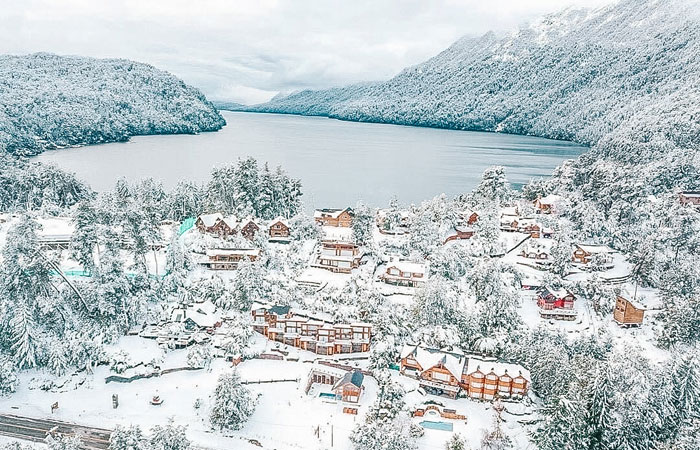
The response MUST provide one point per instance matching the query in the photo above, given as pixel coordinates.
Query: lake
(338, 162)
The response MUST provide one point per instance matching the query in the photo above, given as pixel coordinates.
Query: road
(36, 430)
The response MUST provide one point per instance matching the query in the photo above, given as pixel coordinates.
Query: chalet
(249, 228)
(228, 259)
(628, 312)
(488, 379)
(468, 217)
(460, 232)
(529, 226)
(547, 233)
(334, 217)
(278, 323)
(537, 253)
(225, 226)
(509, 222)
(206, 222)
(530, 284)
(556, 304)
(278, 228)
(547, 204)
(404, 273)
(691, 198)
(197, 317)
(340, 257)
(584, 253)
(349, 388)
(438, 372)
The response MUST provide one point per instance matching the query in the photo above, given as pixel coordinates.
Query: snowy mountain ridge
(49, 101)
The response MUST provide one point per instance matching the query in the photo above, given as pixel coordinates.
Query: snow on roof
(693, 194)
(430, 357)
(594, 248)
(55, 227)
(510, 211)
(233, 252)
(550, 199)
(464, 229)
(488, 365)
(558, 293)
(330, 212)
(407, 267)
(281, 220)
(328, 370)
(210, 219)
(231, 221)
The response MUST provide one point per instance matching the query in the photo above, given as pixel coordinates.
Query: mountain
(624, 78)
(228, 106)
(49, 101)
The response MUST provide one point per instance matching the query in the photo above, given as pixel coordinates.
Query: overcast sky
(248, 51)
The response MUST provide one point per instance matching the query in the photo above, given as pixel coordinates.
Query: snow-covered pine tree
(233, 403)
(362, 224)
(169, 437)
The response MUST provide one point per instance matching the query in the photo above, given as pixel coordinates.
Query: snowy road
(36, 430)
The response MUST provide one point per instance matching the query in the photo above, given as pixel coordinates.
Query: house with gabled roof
(349, 388)
(405, 273)
(584, 253)
(488, 379)
(278, 228)
(437, 371)
(556, 303)
(206, 222)
(334, 217)
(547, 204)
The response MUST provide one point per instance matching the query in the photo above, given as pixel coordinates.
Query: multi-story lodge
(205, 222)
(228, 259)
(338, 256)
(334, 217)
(447, 373)
(278, 228)
(281, 325)
(628, 312)
(689, 198)
(584, 253)
(556, 304)
(404, 273)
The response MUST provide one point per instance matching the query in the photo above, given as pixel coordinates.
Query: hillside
(49, 101)
(623, 78)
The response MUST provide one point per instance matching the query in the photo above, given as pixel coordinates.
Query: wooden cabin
(532, 229)
(584, 253)
(404, 273)
(339, 257)
(334, 217)
(509, 223)
(691, 198)
(249, 229)
(206, 222)
(547, 204)
(279, 228)
(225, 226)
(438, 372)
(228, 259)
(628, 313)
(556, 304)
(349, 388)
(460, 232)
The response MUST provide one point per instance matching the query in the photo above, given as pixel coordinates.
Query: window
(441, 376)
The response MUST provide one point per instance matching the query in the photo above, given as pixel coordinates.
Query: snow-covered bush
(119, 361)
(199, 355)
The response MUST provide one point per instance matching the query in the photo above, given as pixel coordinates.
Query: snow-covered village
(242, 242)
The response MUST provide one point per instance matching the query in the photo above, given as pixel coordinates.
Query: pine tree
(85, 237)
(362, 224)
(233, 403)
(169, 437)
(128, 438)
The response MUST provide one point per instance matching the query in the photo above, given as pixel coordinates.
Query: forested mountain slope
(625, 77)
(49, 101)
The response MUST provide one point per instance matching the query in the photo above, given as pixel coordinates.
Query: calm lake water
(338, 162)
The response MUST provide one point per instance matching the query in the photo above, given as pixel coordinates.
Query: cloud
(248, 51)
